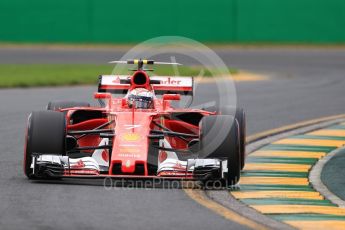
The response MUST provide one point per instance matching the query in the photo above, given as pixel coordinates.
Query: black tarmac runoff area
(303, 83)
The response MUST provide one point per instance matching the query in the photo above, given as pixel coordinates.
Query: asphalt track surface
(304, 84)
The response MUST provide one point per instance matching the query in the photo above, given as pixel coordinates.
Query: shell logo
(117, 80)
(131, 137)
(162, 156)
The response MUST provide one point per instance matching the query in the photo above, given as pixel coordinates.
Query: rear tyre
(220, 138)
(57, 105)
(46, 134)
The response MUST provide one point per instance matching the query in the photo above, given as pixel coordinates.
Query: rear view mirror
(171, 97)
(102, 95)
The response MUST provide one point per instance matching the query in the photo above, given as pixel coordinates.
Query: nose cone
(131, 143)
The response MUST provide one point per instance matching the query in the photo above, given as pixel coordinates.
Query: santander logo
(170, 81)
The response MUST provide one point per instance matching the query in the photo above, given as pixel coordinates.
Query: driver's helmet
(140, 98)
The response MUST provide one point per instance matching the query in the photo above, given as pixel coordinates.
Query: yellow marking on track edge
(317, 224)
(328, 132)
(311, 142)
(241, 76)
(274, 180)
(277, 167)
(292, 154)
(207, 202)
(221, 210)
(299, 209)
(291, 127)
(277, 194)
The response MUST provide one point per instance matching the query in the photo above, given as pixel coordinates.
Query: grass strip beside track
(287, 201)
(269, 173)
(30, 75)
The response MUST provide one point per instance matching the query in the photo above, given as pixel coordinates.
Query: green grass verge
(74, 74)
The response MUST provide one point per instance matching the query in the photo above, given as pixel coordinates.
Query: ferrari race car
(137, 135)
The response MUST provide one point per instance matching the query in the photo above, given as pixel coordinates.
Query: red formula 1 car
(138, 135)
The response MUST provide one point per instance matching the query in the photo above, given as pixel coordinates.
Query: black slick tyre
(46, 134)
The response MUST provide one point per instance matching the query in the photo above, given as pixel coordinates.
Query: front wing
(54, 166)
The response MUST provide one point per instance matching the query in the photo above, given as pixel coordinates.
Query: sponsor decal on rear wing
(167, 84)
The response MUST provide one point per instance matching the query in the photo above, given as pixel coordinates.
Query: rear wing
(117, 84)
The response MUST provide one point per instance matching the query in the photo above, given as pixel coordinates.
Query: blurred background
(219, 21)
(60, 42)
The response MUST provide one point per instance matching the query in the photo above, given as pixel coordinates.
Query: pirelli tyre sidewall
(27, 150)
(240, 116)
(241, 119)
(235, 156)
(46, 134)
(57, 105)
(220, 139)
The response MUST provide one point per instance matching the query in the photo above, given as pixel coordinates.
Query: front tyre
(45, 134)
(220, 139)
(241, 119)
(234, 156)
(240, 116)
